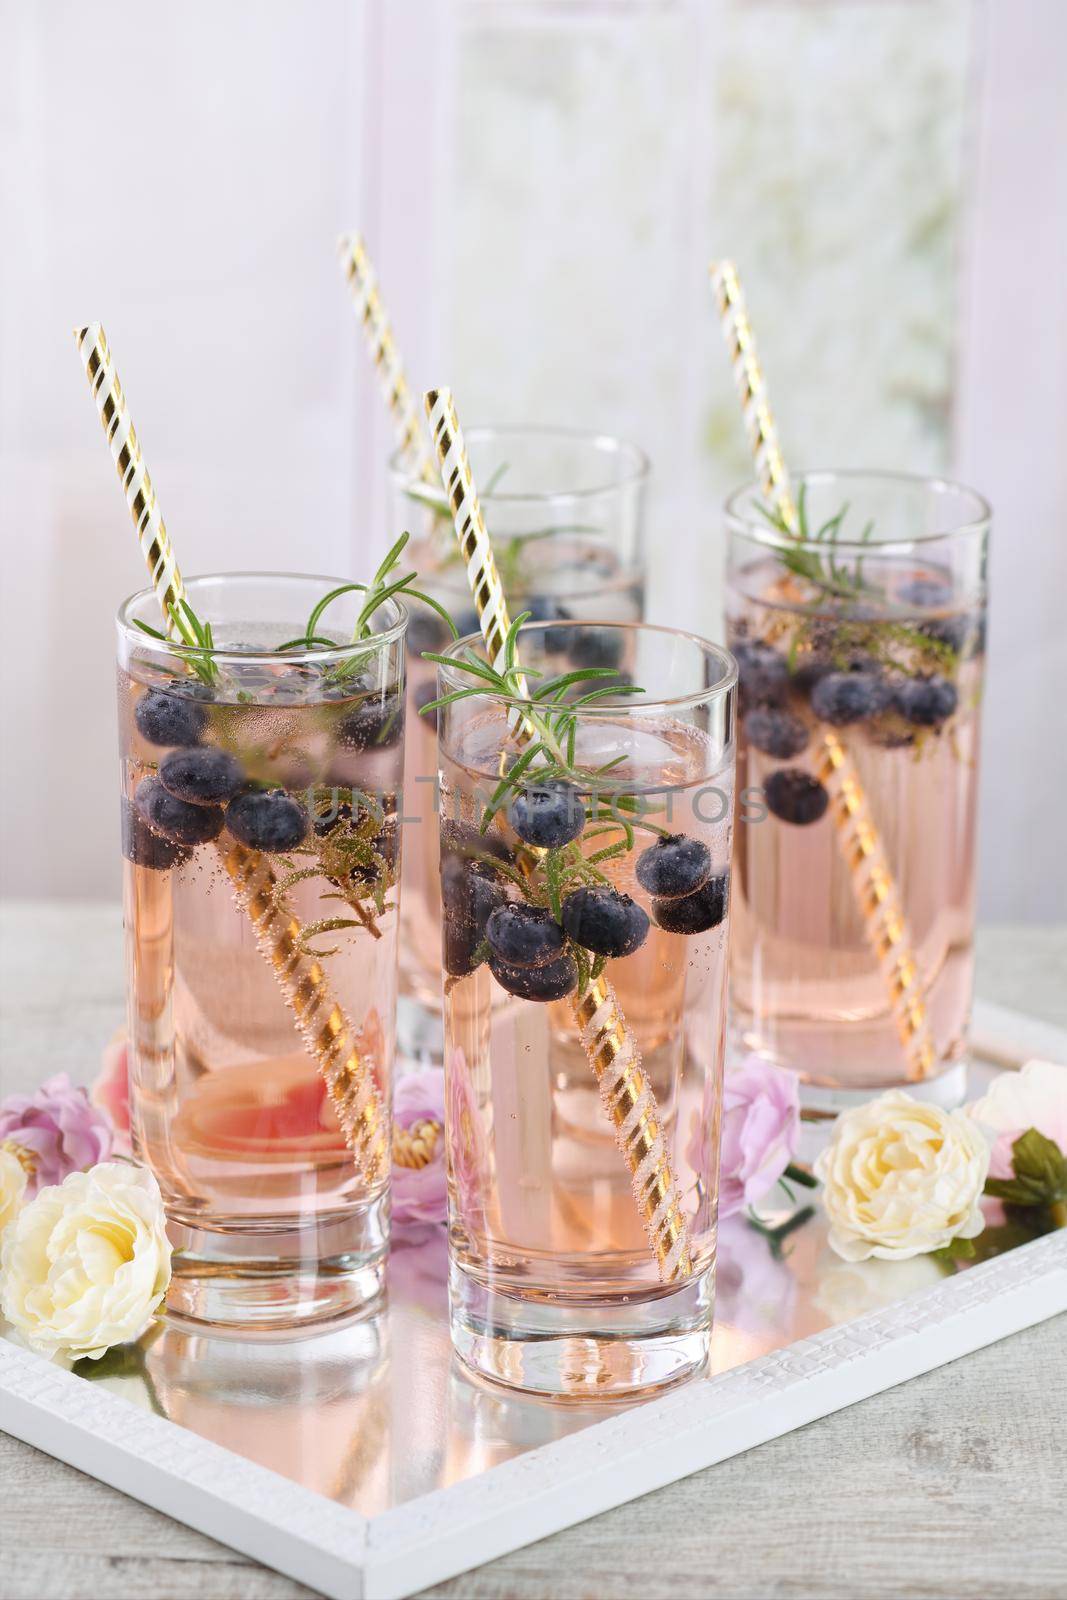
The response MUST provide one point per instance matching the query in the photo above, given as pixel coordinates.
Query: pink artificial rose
(420, 1194)
(760, 1131)
(110, 1089)
(58, 1127)
(1033, 1097)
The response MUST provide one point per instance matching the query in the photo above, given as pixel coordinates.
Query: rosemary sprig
(825, 573)
(549, 712)
(385, 585)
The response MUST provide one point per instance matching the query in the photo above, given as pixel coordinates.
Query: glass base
(602, 1350)
(420, 1031)
(273, 1282)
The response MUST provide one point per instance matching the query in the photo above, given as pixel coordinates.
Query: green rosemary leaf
(153, 633)
(468, 663)
(435, 605)
(557, 686)
(328, 599)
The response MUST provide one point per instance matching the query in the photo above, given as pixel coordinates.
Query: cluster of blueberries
(528, 951)
(198, 790)
(863, 693)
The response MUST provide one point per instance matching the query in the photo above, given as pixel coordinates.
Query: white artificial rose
(13, 1180)
(87, 1262)
(901, 1178)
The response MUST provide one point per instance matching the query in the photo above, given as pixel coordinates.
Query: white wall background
(542, 183)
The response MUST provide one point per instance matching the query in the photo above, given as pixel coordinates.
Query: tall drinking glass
(870, 629)
(260, 800)
(585, 933)
(566, 514)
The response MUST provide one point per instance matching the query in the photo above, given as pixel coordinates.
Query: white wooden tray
(367, 1463)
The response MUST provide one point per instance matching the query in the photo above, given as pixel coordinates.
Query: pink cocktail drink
(614, 870)
(878, 641)
(260, 800)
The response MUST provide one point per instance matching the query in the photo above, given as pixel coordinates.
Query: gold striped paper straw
(872, 880)
(625, 1092)
(136, 484)
(363, 284)
(322, 1024)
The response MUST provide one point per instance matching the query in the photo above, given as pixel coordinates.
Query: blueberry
(927, 701)
(842, 698)
(604, 921)
(777, 733)
(548, 814)
(543, 608)
(425, 631)
(952, 631)
(378, 721)
(204, 776)
(795, 796)
(596, 647)
(145, 848)
(694, 913)
(423, 697)
(271, 821)
(674, 865)
(550, 982)
(175, 819)
(163, 717)
(470, 893)
(928, 594)
(330, 812)
(762, 673)
(524, 936)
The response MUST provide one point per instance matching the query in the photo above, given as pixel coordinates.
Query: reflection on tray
(381, 1412)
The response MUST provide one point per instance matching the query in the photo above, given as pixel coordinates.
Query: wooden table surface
(952, 1485)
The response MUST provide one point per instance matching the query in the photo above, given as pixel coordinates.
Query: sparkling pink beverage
(874, 631)
(260, 797)
(566, 513)
(554, 1284)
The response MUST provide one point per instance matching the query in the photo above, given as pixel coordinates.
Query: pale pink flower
(760, 1130)
(58, 1128)
(420, 1194)
(1034, 1097)
(110, 1089)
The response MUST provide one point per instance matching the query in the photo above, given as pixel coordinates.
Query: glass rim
(750, 525)
(640, 465)
(455, 678)
(381, 639)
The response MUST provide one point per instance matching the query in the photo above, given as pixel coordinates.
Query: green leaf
(1040, 1169)
(956, 1250)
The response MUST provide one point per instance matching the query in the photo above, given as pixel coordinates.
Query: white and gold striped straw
(625, 1092)
(136, 484)
(857, 834)
(322, 1024)
(367, 300)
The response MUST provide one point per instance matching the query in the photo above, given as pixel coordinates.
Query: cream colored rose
(87, 1262)
(13, 1180)
(901, 1178)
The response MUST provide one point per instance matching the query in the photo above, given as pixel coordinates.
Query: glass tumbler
(566, 514)
(260, 789)
(865, 636)
(585, 848)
